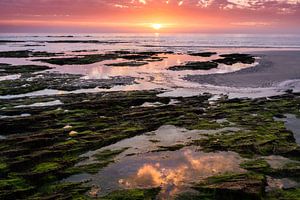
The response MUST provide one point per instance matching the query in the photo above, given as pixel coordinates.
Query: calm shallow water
(155, 74)
(167, 135)
(172, 171)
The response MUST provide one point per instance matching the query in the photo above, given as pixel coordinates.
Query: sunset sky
(216, 16)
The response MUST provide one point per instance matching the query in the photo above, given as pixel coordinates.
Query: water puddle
(164, 137)
(232, 92)
(143, 165)
(158, 104)
(152, 104)
(167, 135)
(10, 77)
(174, 172)
(167, 91)
(292, 123)
(278, 162)
(41, 104)
(14, 116)
(283, 183)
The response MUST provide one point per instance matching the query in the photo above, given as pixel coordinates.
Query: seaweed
(27, 54)
(195, 66)
(230, 59)
(203, 54)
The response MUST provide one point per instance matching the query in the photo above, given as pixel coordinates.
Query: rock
(67, 127)
(195, 66)
(73, 133)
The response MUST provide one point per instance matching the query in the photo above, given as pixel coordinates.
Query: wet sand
(274, 68)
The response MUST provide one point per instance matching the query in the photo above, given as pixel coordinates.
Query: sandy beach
(274, 67)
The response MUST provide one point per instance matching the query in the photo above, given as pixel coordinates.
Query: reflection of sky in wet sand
(172, 171)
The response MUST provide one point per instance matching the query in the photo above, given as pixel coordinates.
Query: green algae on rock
(66, 82)
(83, 41)
(262, 134)
(234, 186)
(130, 64)
(230, 59)
(39, 151)
(27, 54)
(11, 41)
(94, 58)
(203, 54)
(258, 165)
(7, 69)
(79, 60)
(288, 194)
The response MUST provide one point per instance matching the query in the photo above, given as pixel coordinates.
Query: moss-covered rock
(26, 54)
(6, 69)
(234, 186)
(46, 167)
(203, 54)
(258, 165)
(126, 64)
(79, 60)
(67, 82)
(230, 59)
(290, 194)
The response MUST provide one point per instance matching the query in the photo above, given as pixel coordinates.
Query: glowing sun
(156, 26)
